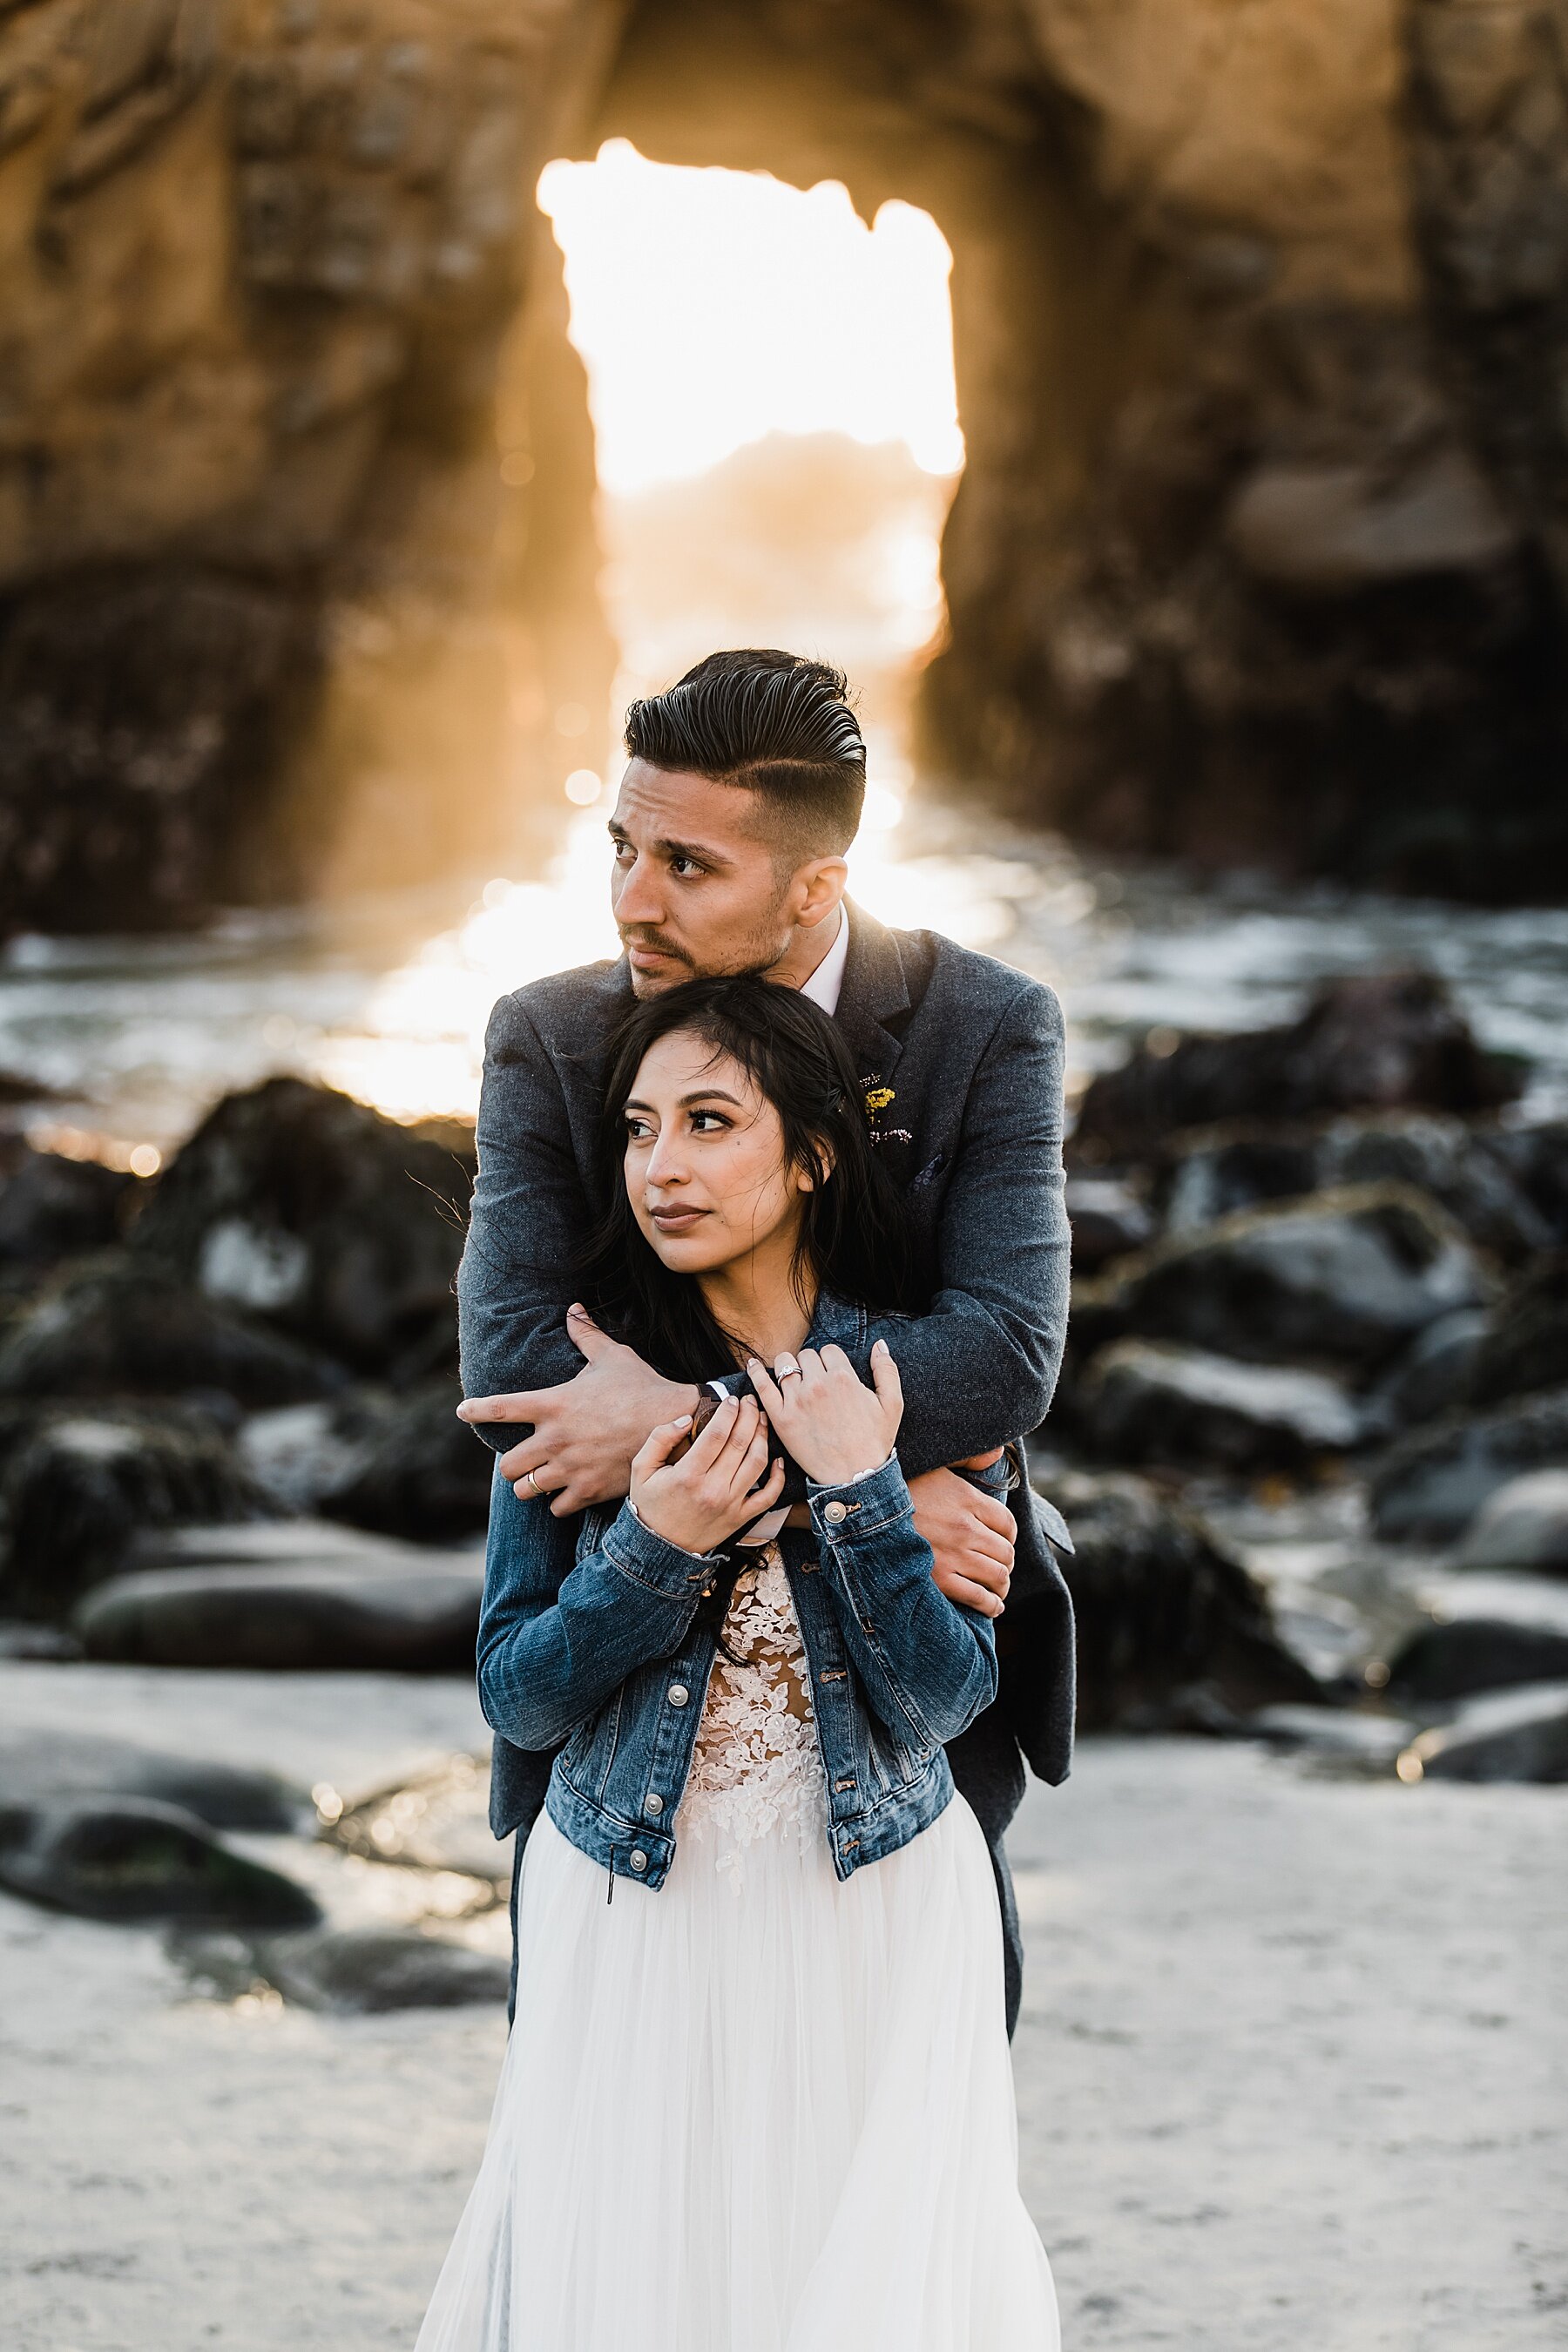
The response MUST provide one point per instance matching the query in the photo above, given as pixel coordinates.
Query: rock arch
(1260, 554)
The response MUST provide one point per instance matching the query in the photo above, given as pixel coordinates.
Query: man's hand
(971, 1534)
(586, 1433)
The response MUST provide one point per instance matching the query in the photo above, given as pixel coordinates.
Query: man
(743, 795)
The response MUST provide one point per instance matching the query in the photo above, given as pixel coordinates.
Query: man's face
(696, 888)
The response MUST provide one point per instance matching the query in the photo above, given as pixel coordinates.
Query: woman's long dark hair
(854, 1238)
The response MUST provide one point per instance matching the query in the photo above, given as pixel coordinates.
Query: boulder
(40, 1766)
(128, 1327)
(1526, 1344)
(1522, 1526)
(130, 1858)
(51, 1207)
(1341, 1734)
(423, 1475)
(302, 1454)
(1455, 1163)
(1108, 1221)
(1382, 1040)
(1432, 1376)
(1343, 1278)
(364, 1970)
(1536, 1158)
(1162, 1610)
(1147, 1401)
(389, 1608)
(298, 1205)
(1476, 1653)
(1520, 1735)
(1430, 1485)
(84, 1485)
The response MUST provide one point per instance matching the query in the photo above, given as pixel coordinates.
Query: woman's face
(705, 1165)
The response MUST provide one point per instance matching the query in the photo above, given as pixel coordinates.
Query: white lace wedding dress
(757, 2110)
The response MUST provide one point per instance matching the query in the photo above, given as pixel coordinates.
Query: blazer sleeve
(981, 1366)
(526, 1226)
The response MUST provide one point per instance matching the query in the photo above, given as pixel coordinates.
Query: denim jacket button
(639, 1859)
(833, 1512)
(679, 1694)
(654, 1803)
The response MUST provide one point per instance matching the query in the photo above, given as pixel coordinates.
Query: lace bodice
(756, 1767)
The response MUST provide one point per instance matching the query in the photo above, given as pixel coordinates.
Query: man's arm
(981, 1368)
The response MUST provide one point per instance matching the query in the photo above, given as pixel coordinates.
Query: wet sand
(1293, 2073)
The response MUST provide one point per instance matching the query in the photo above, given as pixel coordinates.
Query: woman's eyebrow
(710, 1094)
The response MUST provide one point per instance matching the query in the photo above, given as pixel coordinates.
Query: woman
(758, 2099)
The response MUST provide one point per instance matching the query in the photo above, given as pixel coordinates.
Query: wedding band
(788, 1371)
(530, 1480)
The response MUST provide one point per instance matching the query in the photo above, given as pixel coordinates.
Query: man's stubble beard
(759, 954)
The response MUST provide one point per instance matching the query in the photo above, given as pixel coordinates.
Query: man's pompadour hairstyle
(774, 723)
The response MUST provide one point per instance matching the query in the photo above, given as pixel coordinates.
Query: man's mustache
(655, 942)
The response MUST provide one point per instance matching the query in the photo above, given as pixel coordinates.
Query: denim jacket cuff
(651, 1561)
(861, 1504)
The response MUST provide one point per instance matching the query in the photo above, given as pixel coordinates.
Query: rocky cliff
(1261, 329)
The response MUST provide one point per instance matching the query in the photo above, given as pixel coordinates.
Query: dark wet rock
(1382, 1041)
(127, 1327)
(403, 1465)
(1148, 1401)
(296, 1204)
(1476, 1653)
(1455, 1163)
(1519, 1734)
(425, 1475)
(1161, 1608)
(1430, 1485)
(367, 1970)
(1526, 1345)
(1344, 1279)
(1108, 1220)
(1522, 1526)
(52, 1208)
(1537, 1159)
(41, 1766)
(136, 1858)
(1434, 1374)
(83, 1486)
(389, 1608)
(302, 1454)
(1242, 1165)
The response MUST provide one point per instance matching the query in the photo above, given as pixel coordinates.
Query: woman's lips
(676, 1221)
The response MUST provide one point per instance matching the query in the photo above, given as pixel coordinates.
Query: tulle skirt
(756, 2111)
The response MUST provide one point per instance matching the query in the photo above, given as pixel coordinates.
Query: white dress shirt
(827, 982)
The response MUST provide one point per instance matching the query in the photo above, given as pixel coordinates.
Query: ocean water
(135, 1037)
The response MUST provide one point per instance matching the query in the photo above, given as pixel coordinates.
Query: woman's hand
(835, 1426)
(699, 1500)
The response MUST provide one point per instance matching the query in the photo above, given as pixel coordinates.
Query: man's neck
(805, 951)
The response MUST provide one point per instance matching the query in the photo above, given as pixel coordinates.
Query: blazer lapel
(874, 1001)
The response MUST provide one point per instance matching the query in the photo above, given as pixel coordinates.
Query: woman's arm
(924, 1662)
(559, 1634)
(923, 1659)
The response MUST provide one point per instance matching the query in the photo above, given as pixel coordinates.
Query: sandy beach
(1290, 2071)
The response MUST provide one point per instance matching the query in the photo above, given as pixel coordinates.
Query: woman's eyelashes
(699, 1122)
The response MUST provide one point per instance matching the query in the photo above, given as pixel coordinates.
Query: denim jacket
(588, 1645)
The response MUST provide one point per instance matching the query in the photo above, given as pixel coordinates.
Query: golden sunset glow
(711, 308)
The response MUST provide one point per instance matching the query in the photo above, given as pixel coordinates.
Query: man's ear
(816, 888)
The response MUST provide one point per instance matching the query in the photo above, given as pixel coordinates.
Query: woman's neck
(755, 1298)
